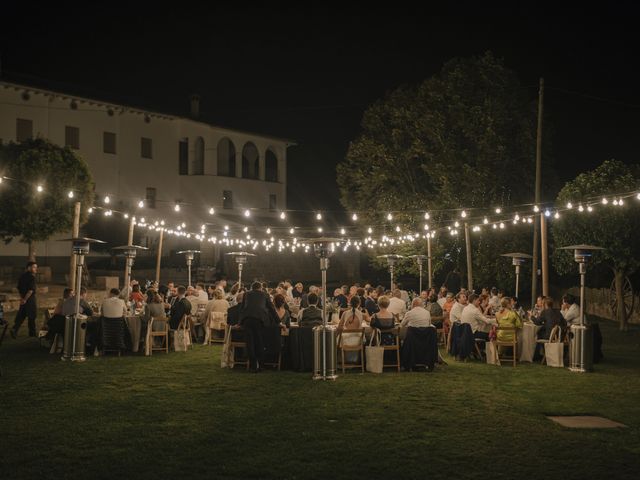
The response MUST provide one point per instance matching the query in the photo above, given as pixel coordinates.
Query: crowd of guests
(356, 305)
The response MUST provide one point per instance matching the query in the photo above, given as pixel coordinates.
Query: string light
(397, 228)
(354, 217)
(536, 208)
(485, 221)
(107, 200)
(463, 214)
(245, 229)
(177, 207)
(620, 202)
(291, 231)
(427, 216)
(90, 210)
(342, 231)
(319, 216)
(141, 204)
(556, 216)
(604, 200)
(589, 208)
(70, 194)
(547, 213)
(580, 208)
(319, 229)
(282, 215)
(247, 213)
(268, 231)
(516, 218)
(569, 205)
(457, 224)
(498, 210)
(389, 217)
(369, 230)
(426, 226)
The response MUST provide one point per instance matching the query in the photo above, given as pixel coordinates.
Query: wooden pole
(75, 233)
(467, 239)
(545, 256)
(430, 272)
(159, 256)
(536, 226)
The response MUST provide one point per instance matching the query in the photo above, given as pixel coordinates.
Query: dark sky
(308, 74)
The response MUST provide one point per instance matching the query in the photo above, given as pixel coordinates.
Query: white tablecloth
(527, 341)
(134, 323)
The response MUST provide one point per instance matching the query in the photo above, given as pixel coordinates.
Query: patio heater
(76, 324)
(517, 259)
(581, 348)
(323, 247)
(129, 252)
(241, 258)
(189, 254)
(392, 259)
(420, 261)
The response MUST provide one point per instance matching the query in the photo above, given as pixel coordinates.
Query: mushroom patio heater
(581, 348)
(517, 259)
(420, 261)
(392, 259)
(76, 325)
(323, 248)
(129, 252)
(189, 254)
(241, 258)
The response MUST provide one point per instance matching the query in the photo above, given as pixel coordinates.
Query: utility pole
(538, 219)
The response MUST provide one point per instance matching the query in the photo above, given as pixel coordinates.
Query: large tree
(613, 227)
(34, 216)
(463, 138)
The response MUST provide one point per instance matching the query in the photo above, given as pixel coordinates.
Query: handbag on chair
(374, 354)
(554, 350)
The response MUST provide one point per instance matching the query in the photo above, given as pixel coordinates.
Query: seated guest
(442, 295)
(154, 307)
(549, 317)
(474, 317)
(233, 313)
(458, 307)
(202, 294)
(494, 300)
(433, 306)
(297, 291)
(507, 317)
(515, 306)
(136, 296)
(396, 305)
(384, 319)
(312, 315)
(424, 296)
(353, 318)
(210, 289)
(448, 304)
(339, 297)
(56, 323)
(570, 310)
(536, 311)
(113, 306)
(371, 300)
(69, 304)
(218, 304)
(280, 303)
(418, 316)
(179, 309)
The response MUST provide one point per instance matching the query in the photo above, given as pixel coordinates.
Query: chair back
(351, 338)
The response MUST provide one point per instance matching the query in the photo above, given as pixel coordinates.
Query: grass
(181, 415)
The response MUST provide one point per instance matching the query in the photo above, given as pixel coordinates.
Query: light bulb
(268, 231)
(177, 207)
(140, 204)
(212, 211)
(397, 228)
(247, 213)
(463, 214)
(589, 208)
(319, 229)
(426, 226)
(580, 208)
(427, 216)
(498, 210)
(604, 200)
(106, 199)
(547, 213)
(342, 231)
(517, 217)
(569, 205)
(245, 229)
(485, 221)
(457, 224)
(291, 230)
(70, 194)
(282, 215)
(354, 217)
(556, 216)
(389, 217)
(536, 208)
(369, 230)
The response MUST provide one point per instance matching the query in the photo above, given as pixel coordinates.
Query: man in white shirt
(442, 296)
(473, 316)
(494, 300)
(456, 311)
(203, 296)
(570, 310)
(396, 305)
(418, 316)
(114, 307)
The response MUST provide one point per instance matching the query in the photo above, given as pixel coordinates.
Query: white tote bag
(374, 355)
(554, 350)
(492, 353)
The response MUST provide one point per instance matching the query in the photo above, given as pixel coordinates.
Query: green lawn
(181, 415)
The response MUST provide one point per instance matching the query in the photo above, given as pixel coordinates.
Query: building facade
(162, 160)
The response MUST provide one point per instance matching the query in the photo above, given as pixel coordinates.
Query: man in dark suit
(179, 308)
(312, 315)
(28, 307)
(254, 314)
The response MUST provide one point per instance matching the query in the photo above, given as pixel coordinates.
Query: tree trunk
(621, 312)
(32, 251)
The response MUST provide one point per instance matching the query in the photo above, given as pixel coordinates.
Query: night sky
(309, 74)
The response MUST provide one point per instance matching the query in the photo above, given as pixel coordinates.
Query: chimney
(195, 106)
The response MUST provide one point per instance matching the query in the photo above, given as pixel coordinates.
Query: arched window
(197, 165)
(250, 159)
(226, 158)
(270, 166)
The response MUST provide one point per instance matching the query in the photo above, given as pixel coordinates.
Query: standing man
(28, 307)
(254, 314)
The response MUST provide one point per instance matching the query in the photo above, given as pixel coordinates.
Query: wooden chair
(358, 346)
(233, 344)
(272, 337)
(217, 322)
(555, 332)
(151, 335)
(395, 331)
(513, 343)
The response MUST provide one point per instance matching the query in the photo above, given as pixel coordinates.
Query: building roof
(85, 95)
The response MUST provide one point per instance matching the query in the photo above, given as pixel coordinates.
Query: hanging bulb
(580, 208)
(106, 199)
(457, 224)
(291, 231)
(569, 205)
(547, 213)
(604, 200)
(485, 221)
(370, 230)
(536, 208)
(70, 194)
(620, 202)
(389, 217)
(342, 231)
(589, 208)
(498, 210)
(426, 226)
(463, 214)
(354, 217)
(140, 204)
(247, 213)
(212, 211)
(177, 207)
(556, 216)
(427, 216)
(283, 215)
(517, 217)
(397, 228)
